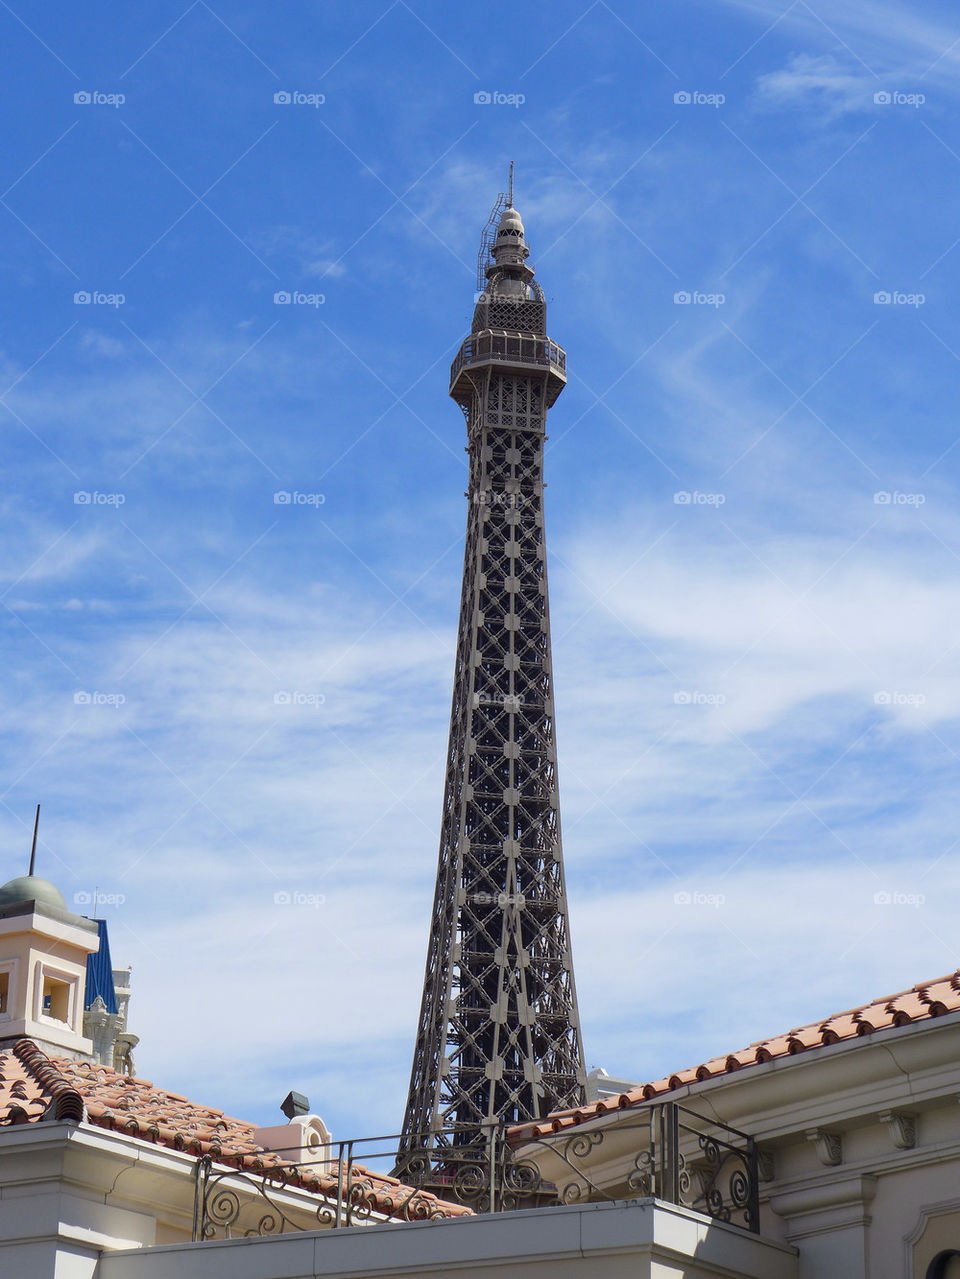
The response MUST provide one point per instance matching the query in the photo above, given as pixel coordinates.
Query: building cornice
(819, 1097)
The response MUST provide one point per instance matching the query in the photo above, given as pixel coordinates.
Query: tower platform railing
(503, 346)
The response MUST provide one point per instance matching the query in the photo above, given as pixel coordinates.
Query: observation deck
(497, 347)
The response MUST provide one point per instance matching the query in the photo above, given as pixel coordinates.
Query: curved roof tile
(930, 999)
(34, 1087)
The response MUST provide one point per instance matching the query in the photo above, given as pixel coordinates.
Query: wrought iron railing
(339, 1187)
(669, 1152)
(500, 344)
(675, 1154)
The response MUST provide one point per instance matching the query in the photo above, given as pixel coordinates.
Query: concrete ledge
(589, 1241)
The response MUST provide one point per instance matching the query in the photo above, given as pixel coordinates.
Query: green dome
(31, 888)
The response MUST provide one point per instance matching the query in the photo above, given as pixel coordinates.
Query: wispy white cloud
(701, 977)
(882, 38)
(823, 84)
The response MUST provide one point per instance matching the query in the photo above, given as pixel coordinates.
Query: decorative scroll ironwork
(684, 1158)
(317, 1194)
(678, 1156)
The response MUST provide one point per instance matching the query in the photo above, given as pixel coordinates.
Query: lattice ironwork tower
(499, 1035)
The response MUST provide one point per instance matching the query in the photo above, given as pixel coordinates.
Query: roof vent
(295, 1104)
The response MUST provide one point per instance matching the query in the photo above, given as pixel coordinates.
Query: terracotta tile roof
(931, 999)
(34, 1086)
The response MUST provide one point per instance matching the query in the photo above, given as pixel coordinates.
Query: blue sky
(757, 688)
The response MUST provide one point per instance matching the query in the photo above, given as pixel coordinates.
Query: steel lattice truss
(499, 1038)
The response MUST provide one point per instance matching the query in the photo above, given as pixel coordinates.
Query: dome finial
(33, 847)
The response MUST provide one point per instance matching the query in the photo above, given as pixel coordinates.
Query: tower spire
(498, 1041)
(510, 187)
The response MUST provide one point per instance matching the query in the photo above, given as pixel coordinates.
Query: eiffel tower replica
(498, 1041)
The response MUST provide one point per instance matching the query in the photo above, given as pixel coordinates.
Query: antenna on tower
(33, 847)
(504, 200)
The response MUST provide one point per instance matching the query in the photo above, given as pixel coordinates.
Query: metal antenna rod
(510, 188)
(33, 849)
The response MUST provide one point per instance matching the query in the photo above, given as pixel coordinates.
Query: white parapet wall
(645, 1239)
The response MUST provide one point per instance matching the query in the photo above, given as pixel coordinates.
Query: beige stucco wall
(30, 945)
(861, 1143)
